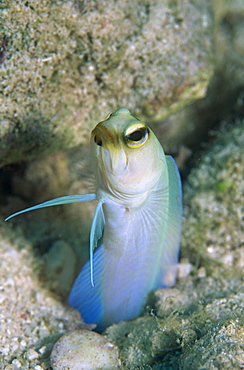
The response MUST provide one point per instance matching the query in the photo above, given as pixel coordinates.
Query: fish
(136, 228)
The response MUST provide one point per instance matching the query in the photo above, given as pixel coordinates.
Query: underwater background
(178, 67)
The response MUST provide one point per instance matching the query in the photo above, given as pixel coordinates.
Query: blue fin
(85, 294)
(84, 297)
(168, 270)
(96, 233)
(56, 202)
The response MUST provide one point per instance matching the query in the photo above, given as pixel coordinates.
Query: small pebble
(184, 270)
(42, 350)
(202, 272)
(32, 355)
(17, 364)
(168, 300)
(84, 350)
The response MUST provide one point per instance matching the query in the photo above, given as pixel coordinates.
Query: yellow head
(128, 158)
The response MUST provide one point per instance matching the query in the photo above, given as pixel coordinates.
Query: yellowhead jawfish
(135, 232)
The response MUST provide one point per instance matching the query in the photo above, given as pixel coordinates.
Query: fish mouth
(111, 149)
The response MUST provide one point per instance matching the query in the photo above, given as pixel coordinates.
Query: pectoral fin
(56, 202)
(97, 227)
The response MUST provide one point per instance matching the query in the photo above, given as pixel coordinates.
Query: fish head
(128, 159)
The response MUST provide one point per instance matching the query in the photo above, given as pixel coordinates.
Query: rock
(229, 33)
(189, 127)
(60, 263)
(67, 64)
(31, 315)
(84, 350)
(168, 300)
(221, 349)
(194, 333)
(213, 232)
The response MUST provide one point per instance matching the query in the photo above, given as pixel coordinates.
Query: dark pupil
(137, 135)
(98, 141)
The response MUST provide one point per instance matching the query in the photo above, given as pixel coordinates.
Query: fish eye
(98, 141)
(136, 135)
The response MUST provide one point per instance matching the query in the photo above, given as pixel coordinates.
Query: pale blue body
(138, 226)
